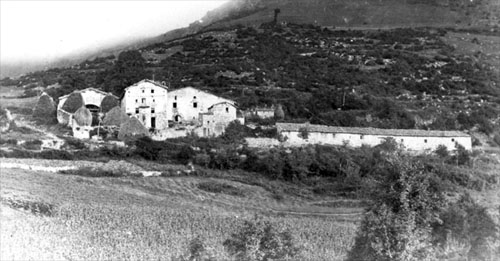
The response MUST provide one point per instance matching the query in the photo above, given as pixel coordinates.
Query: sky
(46, 30)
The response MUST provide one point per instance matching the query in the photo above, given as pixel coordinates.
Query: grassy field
(54, 216)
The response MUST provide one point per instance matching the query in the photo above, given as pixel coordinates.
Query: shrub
(32, 145)
(261, 240)
(9, 141)
(398, 226)
(35, 207)
(471, 225)
(303, 133)
(216, 187)
(147, 148)
(442, 151)
(96, 172)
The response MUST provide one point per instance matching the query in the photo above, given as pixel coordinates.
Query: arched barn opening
(95, 110)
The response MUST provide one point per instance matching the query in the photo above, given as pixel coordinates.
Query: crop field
(56, 216)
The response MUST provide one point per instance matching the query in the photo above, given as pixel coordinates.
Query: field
(55, 216)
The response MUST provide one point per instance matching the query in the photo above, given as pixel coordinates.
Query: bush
(216, 187)
(398, 226)
(471, 225)
(147, 148)
(442, 151)
(261, 240)
(32, 145)
(96, 172)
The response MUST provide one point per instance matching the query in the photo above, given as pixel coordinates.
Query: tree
(128, 69)
(398, 225)
(261, 240)
(279, 114)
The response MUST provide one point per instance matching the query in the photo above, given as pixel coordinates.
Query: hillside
(338, 13)
(359, 13)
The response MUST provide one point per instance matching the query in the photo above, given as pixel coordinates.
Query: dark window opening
(143, 100)
(152, 91)
(425, 140)
(175, 104)
(194, 97)
(152, 110)
(136, 111)
(142, 91)
(175, 98)
(195, 105)
(136, 100)
(153, 122)
(227, 109)
(176, 118)
(452, 139)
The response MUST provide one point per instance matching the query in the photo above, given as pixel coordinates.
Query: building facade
(218, 117)
(186, 104)
(413, 140)
(147, 101)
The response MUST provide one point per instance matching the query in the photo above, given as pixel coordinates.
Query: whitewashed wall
(357, 140)
(144, 96)
(185, 99)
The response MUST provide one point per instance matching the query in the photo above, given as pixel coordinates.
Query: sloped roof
(224, 102)
(368, 131)
(192, 88)
(148, 81)
(88, 89)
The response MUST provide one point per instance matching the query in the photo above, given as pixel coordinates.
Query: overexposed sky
(44, 30)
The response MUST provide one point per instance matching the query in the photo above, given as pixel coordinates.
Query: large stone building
(186, 104)
(415, 140)
(218, 117)
(148, 102)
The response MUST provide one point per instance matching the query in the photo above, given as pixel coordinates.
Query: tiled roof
(173, 92)
(149, 81)
(88, 89)
(368, 131)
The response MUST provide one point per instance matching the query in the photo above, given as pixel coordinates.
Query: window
(136, 100)
(175, 104)
(129, 114)
(208, 122)
(194, 97)
(143, 100)
(425, 140)
(153, 100)
(152, 91)
(152, 110)
(402, 140)
(136, 110)
(360, 137)
(195, 105)
(452, 140)
(227, 109)
(142, 91)
(175, 98)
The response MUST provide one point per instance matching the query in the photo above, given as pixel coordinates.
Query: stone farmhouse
(186, 104)
(148, 102)
(92, 99)
(218, 117)
(413, 140)
(179, 112)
